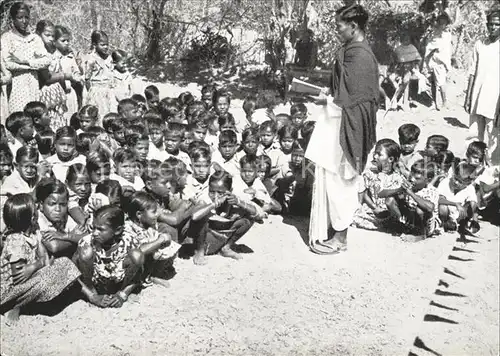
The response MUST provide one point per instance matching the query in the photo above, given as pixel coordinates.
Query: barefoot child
(126, 162)
(458, 199)
(27, 275)
(408, 139)
(421, 209)
(272, 149)
(224, 219)
(383, 186)
(225, 156)
(79, 188)
(110, 260)
(158, 247)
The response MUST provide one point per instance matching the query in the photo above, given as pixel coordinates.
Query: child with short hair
(408, 140)
(443, 161)
(170, 110)
(382, 188)
(194, 110)
(298, 112)
(207, 95)
(152, 95)
(158, 247)
(264, 106)
(38, 112)
(21, 127)
(60, 233)
(129, 111)
(99, 168)
(264, 173)
(107, 120)
(225, 157)
(137, 139)
(271, 148)
(197, 181)
(434, 145)
(288, 138)
(26, 174)
(66, 153)
(250, 143)
(173, 136)
(458, 199)
(45, 142)
(141, 103)
(110, 260)
(250, 188)
(122, 79)
(249, 105)
(294, 192)
(421, 208)
(476, 155)
(118, 128)
(126, 169)
(27, 274)
(161, 182)
(198, 129)
(283, 120)
(223, 219)
(156, 130)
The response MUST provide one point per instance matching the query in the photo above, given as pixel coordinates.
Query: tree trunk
(153, 52)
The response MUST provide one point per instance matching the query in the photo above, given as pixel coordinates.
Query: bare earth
(283, 300)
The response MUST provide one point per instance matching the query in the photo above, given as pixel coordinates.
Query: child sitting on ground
(225, 157)
(22, 130)
(117, 138)
(173, 136)
(161, 183)
(110, 260)
(99, 168)
(28, 276)
(408, 139)
(137, 139)
(197, 182)
(79, 188)
(298, 112)
(60, 233)
(152, 95)
(434, 146)
(158, 248)
(38, 112)
(458, 200)
(251, 189)
(382, 188)
(66, 153)
(421, 208)
(295, 189)
(443, 162)
(126, 162)
(224, 219)
(250, 144)
(156, 130)
(28, 171)
(45, 142)
(129, 111)
(6, 163)
(271, 148)
(264, 174)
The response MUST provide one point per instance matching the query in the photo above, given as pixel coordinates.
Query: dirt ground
(283, 300)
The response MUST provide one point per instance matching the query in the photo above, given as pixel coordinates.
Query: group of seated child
(106, 204)
(421, 193)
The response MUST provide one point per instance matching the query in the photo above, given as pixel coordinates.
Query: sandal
(323, 250)
(336, 245)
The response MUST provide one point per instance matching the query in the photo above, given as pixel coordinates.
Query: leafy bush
(210, 49)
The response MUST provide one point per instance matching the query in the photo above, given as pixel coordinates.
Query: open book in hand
(299, 86)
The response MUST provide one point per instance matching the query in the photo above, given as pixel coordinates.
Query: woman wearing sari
(346, 132)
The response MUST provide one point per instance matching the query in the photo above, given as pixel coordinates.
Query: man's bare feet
(199, 259)
(12, 316)
(161, 282)
(227, 252)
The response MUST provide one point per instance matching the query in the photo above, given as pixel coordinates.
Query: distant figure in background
(483, 91)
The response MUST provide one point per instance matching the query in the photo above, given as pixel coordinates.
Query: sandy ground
(283, 300)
